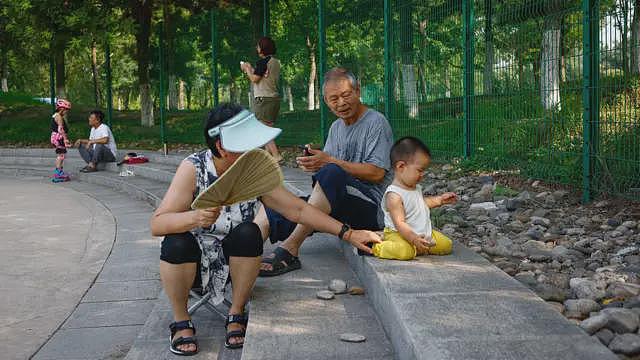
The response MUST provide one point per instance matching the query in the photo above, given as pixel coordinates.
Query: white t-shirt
(104, 131)
(416, 212)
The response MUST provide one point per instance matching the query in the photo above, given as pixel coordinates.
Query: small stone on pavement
(338, 286)
(352, 337)
(325, 295)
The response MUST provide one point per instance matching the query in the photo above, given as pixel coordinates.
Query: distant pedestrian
(59, 138)
(265, 77)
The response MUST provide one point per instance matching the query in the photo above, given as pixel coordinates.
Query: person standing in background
(265, 77)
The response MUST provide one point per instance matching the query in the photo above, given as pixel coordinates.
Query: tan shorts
(266, 109)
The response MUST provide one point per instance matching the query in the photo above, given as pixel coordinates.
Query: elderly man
(100, 146)
(349, 175)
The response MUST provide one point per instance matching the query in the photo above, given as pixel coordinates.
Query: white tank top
(416, 212)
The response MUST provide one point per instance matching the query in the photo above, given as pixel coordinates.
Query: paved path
(53, 244)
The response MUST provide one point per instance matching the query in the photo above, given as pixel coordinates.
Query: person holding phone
(349, 175)
(264, 79)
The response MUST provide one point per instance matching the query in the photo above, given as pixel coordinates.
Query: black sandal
(241, 319)
(282, 262)
(174, 343)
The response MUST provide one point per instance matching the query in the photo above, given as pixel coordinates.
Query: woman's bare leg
(177, 280)
(244, 272)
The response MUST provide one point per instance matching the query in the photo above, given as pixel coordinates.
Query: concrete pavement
(53, 243)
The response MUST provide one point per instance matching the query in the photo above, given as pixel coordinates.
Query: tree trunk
(311, 85)
(487, 78)
(146, 105)
(550, 64)
(290, 97)
(188, 94)
(635, 39)
(169, 46)
(626, 66)
(60, 75)
(409, 84)
(173, 93)
(181, 96)
(142, 10)
(125, 98)
(447, 82)
(94, 73)
(4, 72)
(317, 95)
(563, 53)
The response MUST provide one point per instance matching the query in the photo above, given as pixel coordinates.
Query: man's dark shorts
(347, 208)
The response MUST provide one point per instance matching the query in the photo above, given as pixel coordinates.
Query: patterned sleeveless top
(214, 269)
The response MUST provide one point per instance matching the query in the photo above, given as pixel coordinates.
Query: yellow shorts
(395, 247)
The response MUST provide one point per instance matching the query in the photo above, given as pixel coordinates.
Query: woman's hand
(362, 238)
(204, 218)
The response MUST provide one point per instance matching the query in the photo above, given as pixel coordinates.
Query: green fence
(549, 88)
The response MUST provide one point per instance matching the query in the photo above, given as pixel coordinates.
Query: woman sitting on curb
(212, 244)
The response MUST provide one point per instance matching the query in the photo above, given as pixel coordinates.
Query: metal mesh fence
(546, 87)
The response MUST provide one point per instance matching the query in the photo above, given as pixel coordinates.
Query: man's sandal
(174, 343)
(241, 319)
(281, 262)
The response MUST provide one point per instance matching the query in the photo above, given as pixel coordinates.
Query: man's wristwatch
(343, 231)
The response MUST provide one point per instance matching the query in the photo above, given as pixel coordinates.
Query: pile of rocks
(583, 260)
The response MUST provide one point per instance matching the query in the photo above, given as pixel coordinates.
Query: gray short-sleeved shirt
(368, 140)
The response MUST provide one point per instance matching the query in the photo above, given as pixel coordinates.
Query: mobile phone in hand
(305, 150)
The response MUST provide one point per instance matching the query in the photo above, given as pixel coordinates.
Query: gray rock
(325, 295)
(352, 337)
(513, 204)
(485, 194)
(623, 290)
(483, 207)
(605, 336)
(560, 194)
(622, 320)
(581, 306)
(338, 286)
(575, 231)
(559, 253)
(498, 250)
(613, 222)
(594, 323)
(630, 250)
(533, 247)
(537, 220)
(632, 259)
(556, 306)
(627, 344)
(535, 232)
(550, 293)
(486, 179)
(630, 224)
(527, 278)
(540, 257)
(632, 303)
(586, 289)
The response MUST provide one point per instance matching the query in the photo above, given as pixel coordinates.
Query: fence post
(389, 98)
(590, 100)
(214, 57)
(468, 81)
(162, 94)
(107, 64)
(322, 68)
(52, 81)
(266, 18)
